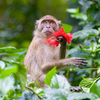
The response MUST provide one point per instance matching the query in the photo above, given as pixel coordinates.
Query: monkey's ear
(36, 24)
(60, 25)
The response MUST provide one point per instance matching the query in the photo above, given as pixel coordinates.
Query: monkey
(42, 57)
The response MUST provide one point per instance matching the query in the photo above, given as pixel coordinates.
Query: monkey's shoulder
(35, 42)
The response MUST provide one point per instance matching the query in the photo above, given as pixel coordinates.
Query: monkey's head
(47, 25)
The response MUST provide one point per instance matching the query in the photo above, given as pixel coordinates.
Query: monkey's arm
(63, 47)
(62, 63)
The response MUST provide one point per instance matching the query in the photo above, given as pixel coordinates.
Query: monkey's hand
(61, 39)
(79, 62)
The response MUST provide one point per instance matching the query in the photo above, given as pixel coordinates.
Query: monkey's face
(48, 27)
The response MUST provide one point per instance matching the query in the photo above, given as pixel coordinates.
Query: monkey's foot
(76, 89)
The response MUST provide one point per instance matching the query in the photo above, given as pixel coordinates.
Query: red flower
(68, 36)
(52, 41)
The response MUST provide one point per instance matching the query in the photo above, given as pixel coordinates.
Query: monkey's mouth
(48, 32)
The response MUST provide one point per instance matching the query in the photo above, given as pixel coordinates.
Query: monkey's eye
(44, 22)
(51, 22)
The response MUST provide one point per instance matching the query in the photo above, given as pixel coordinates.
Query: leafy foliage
(13, 82)
(12, 72)
(88, 36)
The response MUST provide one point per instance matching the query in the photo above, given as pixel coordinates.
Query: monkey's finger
(83, 64)
(79, 66)
(84, 59)
(57, 40)
(80, 59)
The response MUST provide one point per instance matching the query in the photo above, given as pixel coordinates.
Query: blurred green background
(17, 18)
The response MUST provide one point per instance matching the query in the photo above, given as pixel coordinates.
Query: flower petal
(52, 41)
(61, 32)
(68, 37)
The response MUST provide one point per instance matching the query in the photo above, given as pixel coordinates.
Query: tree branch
(34, 92)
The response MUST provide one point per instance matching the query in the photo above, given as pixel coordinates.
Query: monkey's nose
(47, 26)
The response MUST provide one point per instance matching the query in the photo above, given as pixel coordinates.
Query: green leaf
(49, 76)
(31, 84)
(59, 81)
(79, 16)
(97, 60)
(54, 82)
(73, 10)
(12, 51)
(6, 49)
(73, 1)
(89, 85)
(55, 94)
(79, 96)
(6, 84)
(22, 76)
(73, 50)
(8, 71)
(86, 84)
(10, 93)
(2, 64)
(85, 33)
(67, 28)
(92, 13)
(38, 83)
(98, 46)
(27, 95)
(96, 88)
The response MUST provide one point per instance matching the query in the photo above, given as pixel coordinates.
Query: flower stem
(91, 73)
(86, 69)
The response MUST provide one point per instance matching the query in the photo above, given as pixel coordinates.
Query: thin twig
(86, 69)
(91, 74)
(95, 2)
(34, 92)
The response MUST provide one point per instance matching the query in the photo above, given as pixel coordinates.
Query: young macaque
(42, 57)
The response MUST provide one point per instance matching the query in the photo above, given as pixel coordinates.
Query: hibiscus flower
(52, 40)
(68, 36)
